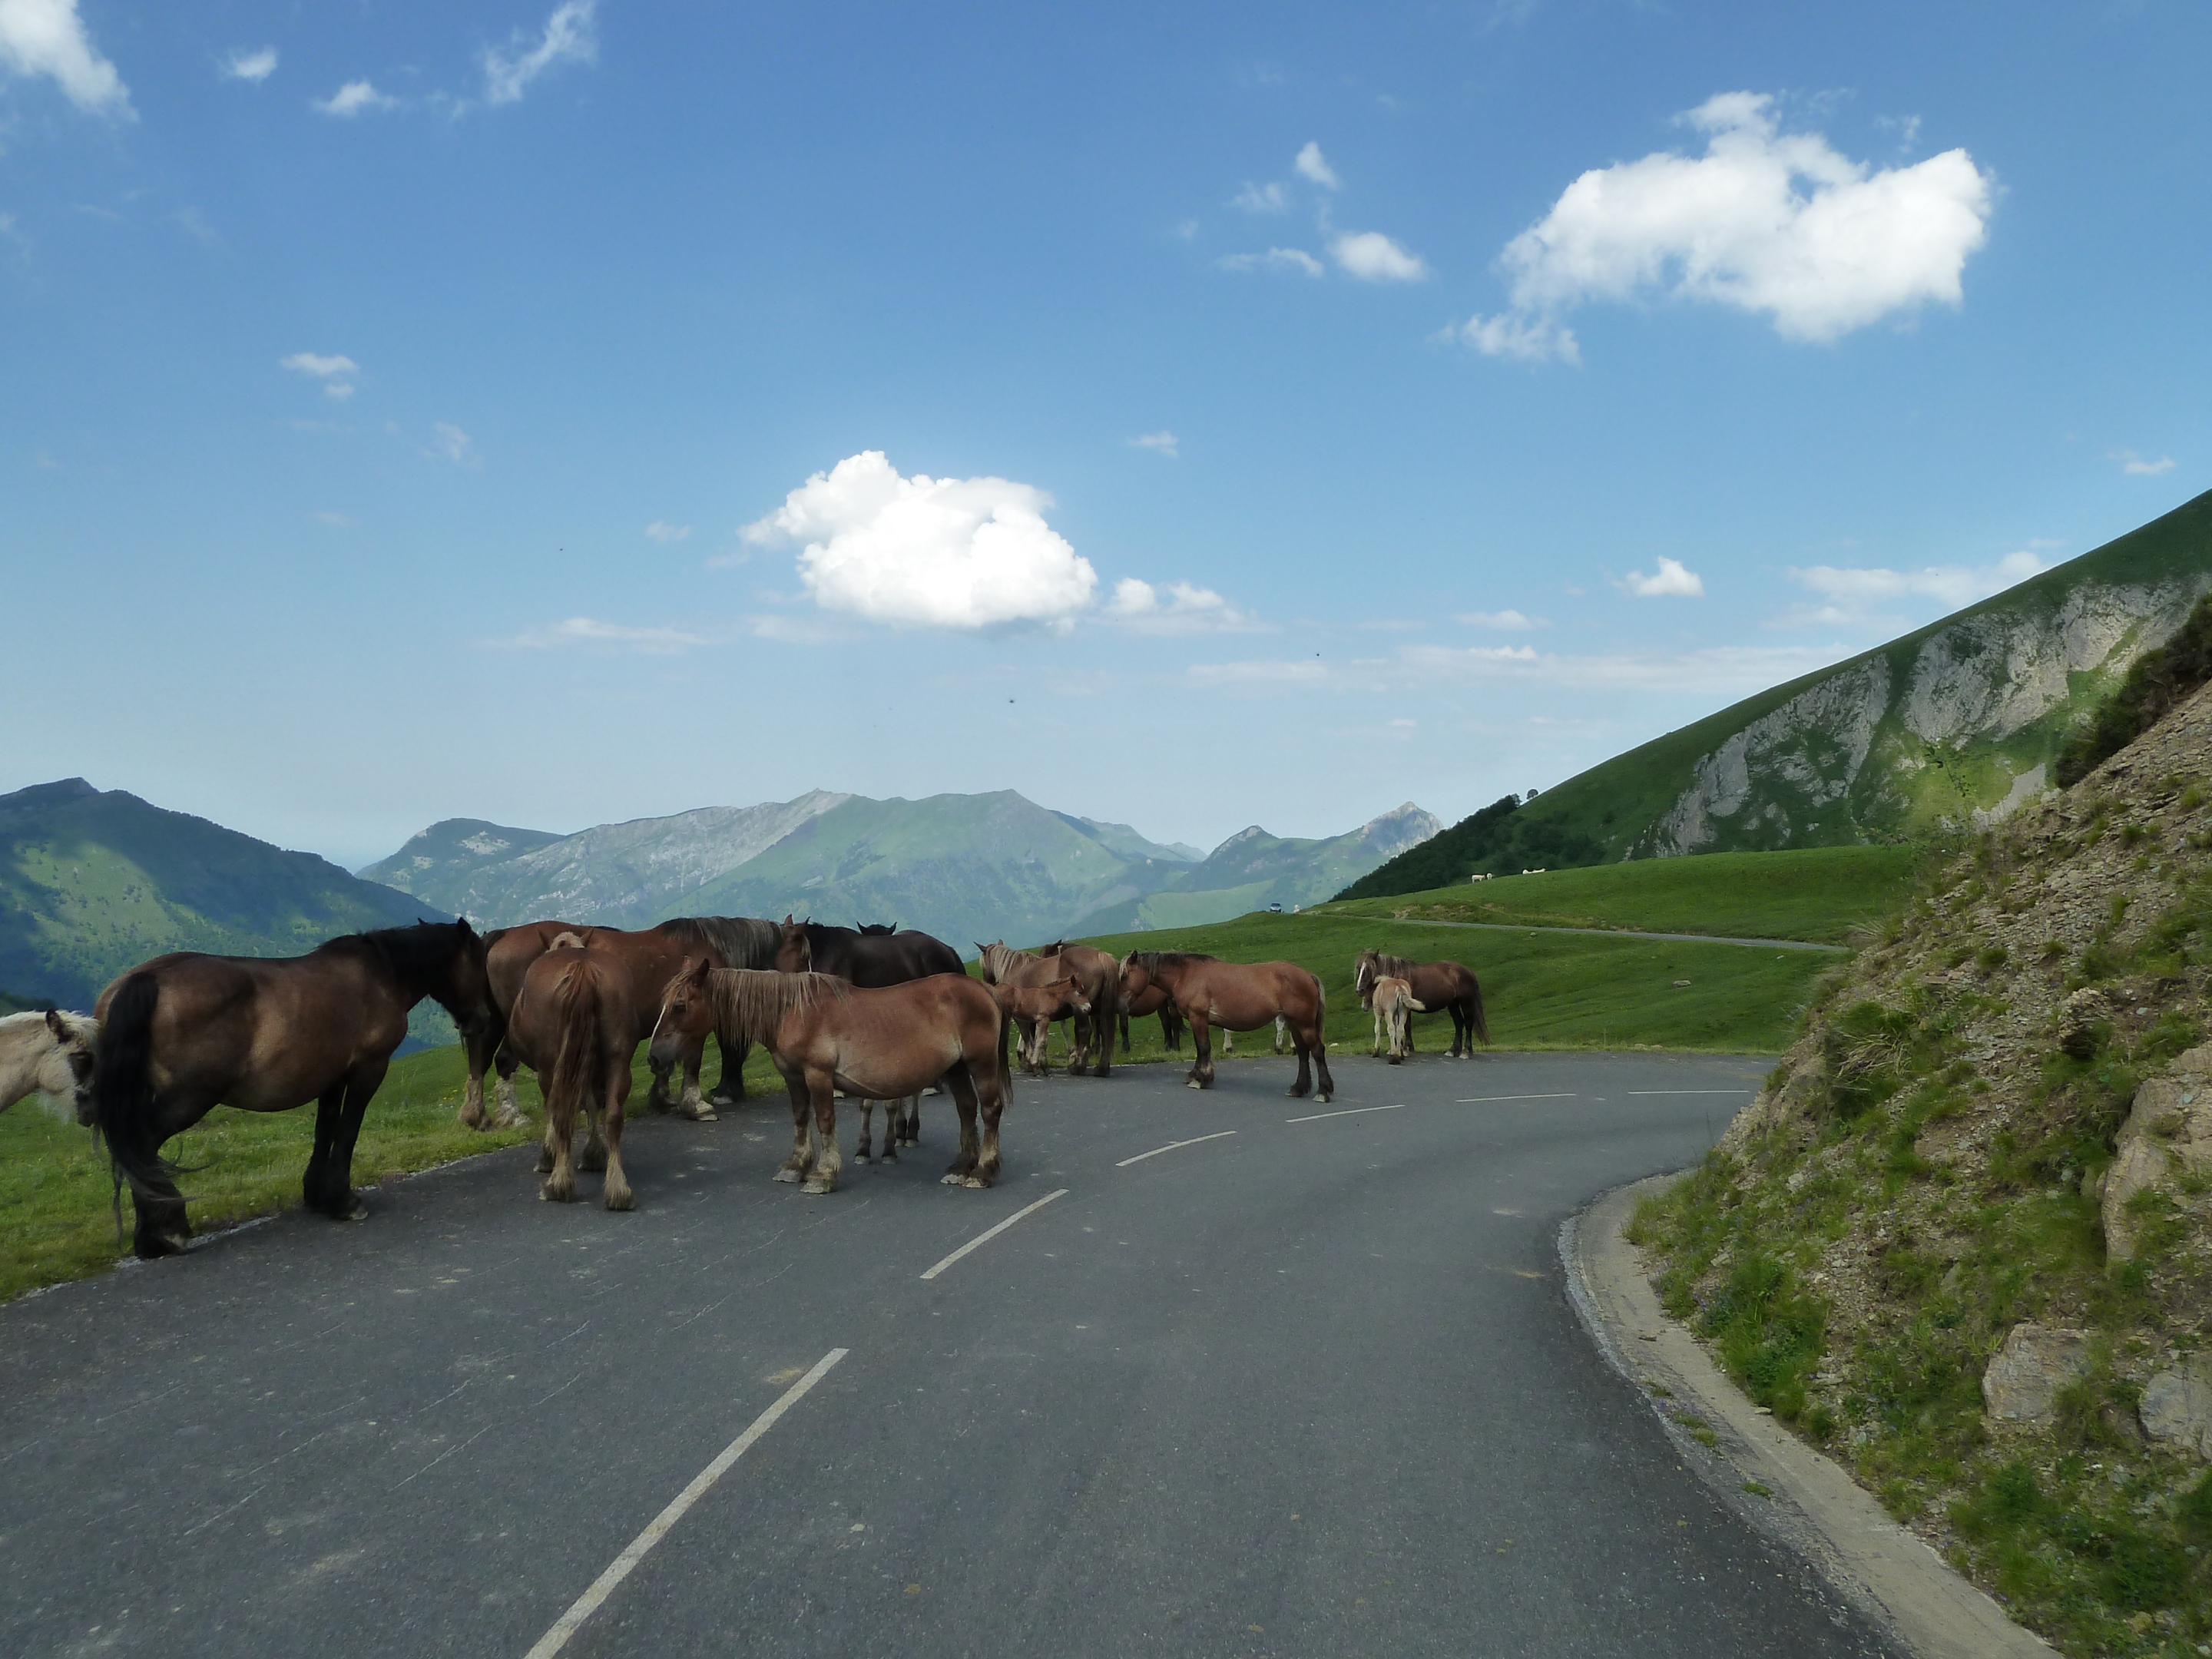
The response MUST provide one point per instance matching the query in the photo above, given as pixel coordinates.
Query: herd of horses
(873, 1014)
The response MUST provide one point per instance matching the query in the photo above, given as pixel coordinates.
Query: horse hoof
(592, 1163)
(954, 1178)
(1194, 1084)
(974, 1180)
(622, 1201)
(508, 1118)
(1321, 1100)
(356, 1210)
(552, 1195)
(816, 1189)
(787, 1175)
(862, 1157)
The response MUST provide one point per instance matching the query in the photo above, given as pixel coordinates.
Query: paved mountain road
(1306, 1389)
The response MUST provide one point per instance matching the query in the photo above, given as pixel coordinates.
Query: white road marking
(1484, 1100)
(1349, 1111)
(604, 1586)
(990, 1233)
(1170, 1148)
(1693, 1091)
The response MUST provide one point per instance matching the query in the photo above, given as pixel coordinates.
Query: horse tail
(1006, 1067)
(123, 1090)
(1474, 1008)
(576, 1006)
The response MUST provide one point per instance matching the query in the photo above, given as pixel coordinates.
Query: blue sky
(1186, 416)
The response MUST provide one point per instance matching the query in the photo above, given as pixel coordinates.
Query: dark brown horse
(574, 1023)
(1437, 987)
(652, 956)
(825, 1035)
(1239, 997)
(1094, 971)
(186, 1033)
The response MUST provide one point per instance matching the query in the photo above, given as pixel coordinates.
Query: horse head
(66, 1068)
(463, 987)
(794, 953)
(1069, 994)
(1136, 978)
(1363, 977)
(687, 1013)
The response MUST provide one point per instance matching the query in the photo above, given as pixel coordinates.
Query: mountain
(93, 881)
(617, 875)
(1253, 869)
(1958, 723)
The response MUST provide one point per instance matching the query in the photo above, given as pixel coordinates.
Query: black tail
(1474, 1007)
(123, 1091)
(1006, 1070)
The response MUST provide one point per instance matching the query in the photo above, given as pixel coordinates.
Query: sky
(560, 411)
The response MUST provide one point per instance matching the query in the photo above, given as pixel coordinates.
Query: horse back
(535, 1021)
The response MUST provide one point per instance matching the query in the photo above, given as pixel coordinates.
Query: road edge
(1810, 1504)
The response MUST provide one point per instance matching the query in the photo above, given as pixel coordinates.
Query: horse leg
(730, 1090)
(1227, 1040)
(617, 1194)
(912, 1134)
(1305, 1078)
(963, 1166)
(479, 1057)
(860, 1154)
(1317, 1044)
(342, 1203)
(1375, 1052)
(984, 1169)
(1282, 1033)
(161, 1227)
(1102, 1034)
(689, 1104)
(508, 1113)
(802, 1150)
(1202, 1042)
(594, 1158)
(823, 1177)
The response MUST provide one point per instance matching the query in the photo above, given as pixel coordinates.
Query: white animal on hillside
(48, 1054)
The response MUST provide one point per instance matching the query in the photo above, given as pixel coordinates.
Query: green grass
(1817, 893)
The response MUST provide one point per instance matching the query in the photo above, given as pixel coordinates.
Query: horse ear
(57, 1024)
(700, 970)
(787, 920)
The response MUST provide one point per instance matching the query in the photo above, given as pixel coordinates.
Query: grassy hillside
(1896, 744)
(93, 882)
(1813, 893)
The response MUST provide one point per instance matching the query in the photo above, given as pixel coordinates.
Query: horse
(48, 1054)
(1155, 1001)
(185, 1033)
(1095, 971)
(652, 956)
(1392, 1000)
(873, 956)
(1032, 1008)
(825, 1033)
(1240, 997)
(574, 1023)
(1436, 987)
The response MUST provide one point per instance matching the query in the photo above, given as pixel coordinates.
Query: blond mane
(750, 1004)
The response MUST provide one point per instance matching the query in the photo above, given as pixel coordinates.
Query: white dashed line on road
(990, 1233)
(1484, 1100)
(1170, 1147)
(1349, 1111)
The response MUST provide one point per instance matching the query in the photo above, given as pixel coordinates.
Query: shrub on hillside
(2159, 679)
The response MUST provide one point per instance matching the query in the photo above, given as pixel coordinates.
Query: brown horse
(1032, 1008)
(1154, 1001)
(1392, 1001)
(574, 1023)
(186, 1033)
(652, 956)
(825, 1035)
(1095, 973)
(1445, 987)
(1239, 997)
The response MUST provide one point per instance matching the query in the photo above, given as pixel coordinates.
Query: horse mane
(1153, 961)
(415, 956)
(740, 941)
(750, 1004)
(1390, 967)
(998, 955)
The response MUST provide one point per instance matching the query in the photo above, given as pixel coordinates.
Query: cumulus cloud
(1176, 608)
(586, 630)
(1668, 580)
(1507, 622)
(1160, 443)
(1311, 165)
(2135, 467)
(569, 36)
(314, 363)
(254, 66)
(1275, 258)
(1772, 222)
(1374, 258)
(1261, 199)
(1854, 594)
(47, 37)
(667, 533)
(352, 98)
(961, 553)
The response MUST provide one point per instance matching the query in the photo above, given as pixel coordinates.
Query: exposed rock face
(2167, 1133)
(2177, 1404)
(2022, 1383)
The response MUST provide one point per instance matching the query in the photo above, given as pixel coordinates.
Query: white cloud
(1261, 199)
(1511, 334)
(963, 553)
(1311, 165)
(1275, 258)
(47, 37)
(1374, 258)
(667, 533)
(1260, 673)
(586, 631)
(1852, 594)
(1160, 443)
(569, 37)
(455, 444)
(313, 362)
(1177, 608)
(1507, 622)
(353, 98)
(1768, 222)
(1668, 581)
(254, 66)
(194, 224)
(2135, 467)
(340, 390)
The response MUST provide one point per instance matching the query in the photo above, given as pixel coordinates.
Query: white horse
(48, 1054)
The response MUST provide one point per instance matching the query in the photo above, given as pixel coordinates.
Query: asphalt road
(1306, 1389)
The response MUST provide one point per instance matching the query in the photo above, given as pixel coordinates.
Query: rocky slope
(1964, 1239)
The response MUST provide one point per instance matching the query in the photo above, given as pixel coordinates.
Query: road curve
(1291, 1387)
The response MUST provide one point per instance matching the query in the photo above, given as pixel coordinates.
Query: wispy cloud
(1849, 595)
(254, 66)
(569, 37)
(1668, 580)
(667, 533)
(195, 224)
(2137, 467)
(1508, 621)
(455, 444)
(1275, 258)
(315, 363)
(1161, 442)
(47, 38)
(588, 631)
(1261, 199)
(353, 99)
(338, 520)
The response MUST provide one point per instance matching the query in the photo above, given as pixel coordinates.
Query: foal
(1392, 1000)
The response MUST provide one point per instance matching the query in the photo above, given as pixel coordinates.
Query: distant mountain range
(1953, 723)
(968, 868)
